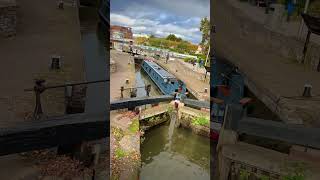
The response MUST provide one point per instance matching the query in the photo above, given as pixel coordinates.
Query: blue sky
(161, 17)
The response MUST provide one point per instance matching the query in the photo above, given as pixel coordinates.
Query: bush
(189, 60)
(201, 121)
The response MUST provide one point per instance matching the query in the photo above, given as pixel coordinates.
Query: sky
(161, 17)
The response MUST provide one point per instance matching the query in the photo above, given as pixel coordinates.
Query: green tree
(173, 37)
(205, 30)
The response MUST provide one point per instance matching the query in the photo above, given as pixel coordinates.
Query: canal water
(183, 156)
(94, 45)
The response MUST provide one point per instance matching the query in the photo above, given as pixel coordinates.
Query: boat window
(172, 82)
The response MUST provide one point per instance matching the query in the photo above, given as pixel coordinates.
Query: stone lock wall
(8, 20)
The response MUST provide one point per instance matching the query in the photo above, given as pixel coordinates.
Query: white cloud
(148, 26)
(122, 20)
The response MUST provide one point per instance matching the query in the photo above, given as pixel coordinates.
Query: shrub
(201, 121)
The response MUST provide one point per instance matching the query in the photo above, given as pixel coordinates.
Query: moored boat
(166, 82)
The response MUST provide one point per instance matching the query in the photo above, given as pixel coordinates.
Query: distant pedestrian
(193, 64)
(290, 9)
(167, 58)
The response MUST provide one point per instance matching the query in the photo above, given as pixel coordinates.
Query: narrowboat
(166, 82)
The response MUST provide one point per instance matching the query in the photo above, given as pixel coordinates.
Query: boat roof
(163, 73)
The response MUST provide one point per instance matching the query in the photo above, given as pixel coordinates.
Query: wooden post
(122, 89)
(306, 46)
(38, 89)
(148, 89)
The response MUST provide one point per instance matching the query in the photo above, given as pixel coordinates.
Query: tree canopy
(205, 30)
(173, 37)
(171, 42)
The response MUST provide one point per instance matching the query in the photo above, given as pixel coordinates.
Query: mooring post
(148, 89)
(122, 89)
(38, 89)
(60, 4)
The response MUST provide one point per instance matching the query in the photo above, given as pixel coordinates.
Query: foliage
(205, 30)
(120, 153)
(154, 119)
(189, 59)
(172, 37)
(134, 126)
(141, 40)
(263, 177)
(244, 175)
(201, 121)
(117, 133)
(172, 43)
(170, 109)
(296, 172)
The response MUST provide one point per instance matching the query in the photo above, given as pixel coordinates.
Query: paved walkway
(124, 71)
(193, 80)
(273, 76)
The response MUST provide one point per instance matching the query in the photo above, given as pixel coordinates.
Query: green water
(186, 157)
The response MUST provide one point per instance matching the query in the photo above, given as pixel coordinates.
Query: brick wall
(8, 20)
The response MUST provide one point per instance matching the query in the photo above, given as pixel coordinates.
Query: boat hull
(165, 81)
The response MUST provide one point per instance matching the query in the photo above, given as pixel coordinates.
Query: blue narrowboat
(166, 82)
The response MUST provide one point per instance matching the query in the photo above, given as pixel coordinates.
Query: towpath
(194, 81)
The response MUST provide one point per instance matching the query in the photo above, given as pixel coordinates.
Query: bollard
(60, 4)
(55, 62)
(307, 90)
(148, 89)
(38, 89)
(122, 89)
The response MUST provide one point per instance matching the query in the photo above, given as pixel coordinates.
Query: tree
(151, 36)
(205, 30)
(205, 41)
(173, 37)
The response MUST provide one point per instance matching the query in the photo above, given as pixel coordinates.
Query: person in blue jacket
(290, 9)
